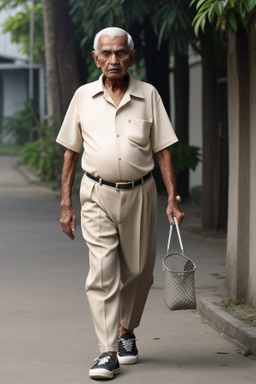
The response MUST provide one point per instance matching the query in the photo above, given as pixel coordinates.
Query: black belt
(121, 185)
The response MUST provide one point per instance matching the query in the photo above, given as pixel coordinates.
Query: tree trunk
(157, 74)
(181, 91)
(210, 134)
(61, 57)
(157, 64)
(240, 103)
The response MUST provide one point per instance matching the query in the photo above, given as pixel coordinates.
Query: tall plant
(226, 15)
(18, 26)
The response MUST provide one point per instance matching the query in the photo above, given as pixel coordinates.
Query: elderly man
(119, 121)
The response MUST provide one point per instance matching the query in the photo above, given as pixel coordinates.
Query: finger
(69, 233)
(71, 236)
(171, 221)
(73, 223)
(66, 228)
(180, 218)
(170, 215)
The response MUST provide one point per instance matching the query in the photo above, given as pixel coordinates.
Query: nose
(114, 59)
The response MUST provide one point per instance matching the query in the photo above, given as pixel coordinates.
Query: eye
(120, 53)
(106, 53)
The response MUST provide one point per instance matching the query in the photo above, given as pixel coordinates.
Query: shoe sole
(100, 373)
(126, 360)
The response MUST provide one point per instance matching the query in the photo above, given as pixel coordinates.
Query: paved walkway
(47, 335)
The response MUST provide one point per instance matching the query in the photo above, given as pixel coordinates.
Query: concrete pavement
(47, 335)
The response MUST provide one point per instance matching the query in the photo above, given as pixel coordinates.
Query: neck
(116, 84)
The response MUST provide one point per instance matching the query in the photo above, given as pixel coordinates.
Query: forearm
(167, 170)
(168, 174)
(68, 177)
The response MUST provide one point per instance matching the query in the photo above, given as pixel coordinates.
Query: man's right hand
(68, 221)
(68, 217)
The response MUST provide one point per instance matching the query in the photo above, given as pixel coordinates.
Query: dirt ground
(240, 310)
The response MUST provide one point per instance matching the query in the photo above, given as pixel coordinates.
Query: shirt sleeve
(162, 133)
(70, 135)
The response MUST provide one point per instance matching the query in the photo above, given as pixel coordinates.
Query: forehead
(112, 43)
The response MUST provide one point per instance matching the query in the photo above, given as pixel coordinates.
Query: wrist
(174, 199)
(66, 204)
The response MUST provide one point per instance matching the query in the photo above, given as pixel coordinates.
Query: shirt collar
(133, 87)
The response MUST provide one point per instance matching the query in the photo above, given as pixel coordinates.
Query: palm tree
(172, 23)
(61, 57)
(236, 19)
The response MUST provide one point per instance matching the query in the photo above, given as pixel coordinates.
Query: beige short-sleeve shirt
(118, 141)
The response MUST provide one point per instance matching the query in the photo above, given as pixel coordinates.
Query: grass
(11, 150)
(241, 310)
(229, 302)
(247, 351)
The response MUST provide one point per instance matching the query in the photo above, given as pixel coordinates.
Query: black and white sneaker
(104, 368)
(127, 350)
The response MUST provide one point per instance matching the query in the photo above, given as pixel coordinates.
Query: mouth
(114, 69)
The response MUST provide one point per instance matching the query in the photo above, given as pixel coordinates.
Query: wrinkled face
(114, 56)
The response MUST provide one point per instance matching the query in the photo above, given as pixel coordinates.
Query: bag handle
(179, 236)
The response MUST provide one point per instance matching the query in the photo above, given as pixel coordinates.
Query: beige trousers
(119, 227)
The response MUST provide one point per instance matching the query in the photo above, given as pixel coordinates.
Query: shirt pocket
(138, 131)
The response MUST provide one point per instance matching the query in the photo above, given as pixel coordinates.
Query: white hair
(113, 32)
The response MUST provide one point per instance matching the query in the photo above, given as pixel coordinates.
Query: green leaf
(232, 3)
(200, 23)
(160, 15)
(232, 20)
(212, 12)
(242, 9)
(172, 16)
(251, 5)
(219, 9)
(11, 3)
(161, 33)
(185, 156)
(207, 5)
(134, 10)
(245, 21)
(198, 15)
(181, 20)
(200, 2)
(192, 2)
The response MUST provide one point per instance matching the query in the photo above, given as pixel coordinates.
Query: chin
(115, 74)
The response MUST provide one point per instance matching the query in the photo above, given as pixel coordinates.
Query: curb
(30, 177)
(33, 180)
(235, 329)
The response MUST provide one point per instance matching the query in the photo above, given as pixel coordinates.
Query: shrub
(44, 156)
(20, 126)
(185, 156)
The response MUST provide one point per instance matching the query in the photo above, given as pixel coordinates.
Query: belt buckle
(119, 185)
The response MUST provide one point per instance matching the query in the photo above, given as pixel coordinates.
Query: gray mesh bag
(179, 277)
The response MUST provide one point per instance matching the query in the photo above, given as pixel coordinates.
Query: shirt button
(129, 121)
(119, 158)
(117, 135)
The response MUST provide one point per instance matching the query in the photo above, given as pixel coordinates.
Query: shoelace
(127, 344)
(102, 360)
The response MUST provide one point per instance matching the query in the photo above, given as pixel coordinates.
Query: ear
(95, 56)
(133, 54)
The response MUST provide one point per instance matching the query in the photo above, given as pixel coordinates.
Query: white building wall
(14, 98)
(14, 77)
(195, 114)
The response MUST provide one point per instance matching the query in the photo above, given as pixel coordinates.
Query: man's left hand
(174, 210)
